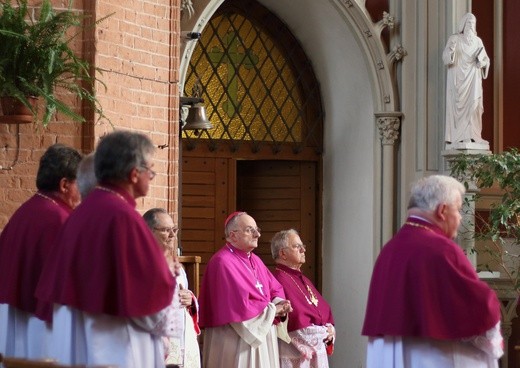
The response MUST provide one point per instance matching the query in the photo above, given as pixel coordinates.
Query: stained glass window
(256, 85)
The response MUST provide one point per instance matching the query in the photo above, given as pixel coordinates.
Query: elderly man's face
(165, 232)
(145, 174)
(295, 251)
(71, 193)
(452, 217)
(246, 234)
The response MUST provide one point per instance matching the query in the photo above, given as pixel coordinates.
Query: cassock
(111, 286)
(307, 323)
(182, 348)
(24, 245)
(237, 310)
(426, 305)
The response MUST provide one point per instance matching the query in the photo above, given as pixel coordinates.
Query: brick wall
(138, 50)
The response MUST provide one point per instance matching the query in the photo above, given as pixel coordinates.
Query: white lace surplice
(306, 350)
(397, 352)
(182, 347)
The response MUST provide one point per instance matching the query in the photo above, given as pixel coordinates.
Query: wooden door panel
(278, 194)
(260, 191)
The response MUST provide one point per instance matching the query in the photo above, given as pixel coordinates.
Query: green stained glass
(257, 83)
(251, 91)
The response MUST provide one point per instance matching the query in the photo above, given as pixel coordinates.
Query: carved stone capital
(388, 128)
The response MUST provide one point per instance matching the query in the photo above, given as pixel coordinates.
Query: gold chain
(313, 299)
(111, 191)
(47, 198)
(418, 225)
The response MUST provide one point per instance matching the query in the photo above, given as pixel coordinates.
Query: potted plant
(37, 61)
(498, 228)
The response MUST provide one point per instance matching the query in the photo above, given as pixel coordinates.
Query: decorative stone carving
(468, 63)
(388, 129)
(397, 53)
(387, 21)
(187, 8)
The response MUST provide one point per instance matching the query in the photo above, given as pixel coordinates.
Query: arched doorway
(264, 154)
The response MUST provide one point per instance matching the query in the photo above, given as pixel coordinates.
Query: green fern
(36, 58)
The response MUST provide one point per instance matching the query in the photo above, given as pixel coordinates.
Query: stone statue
(468, 63)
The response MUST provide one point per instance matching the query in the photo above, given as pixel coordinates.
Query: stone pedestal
(466, 237)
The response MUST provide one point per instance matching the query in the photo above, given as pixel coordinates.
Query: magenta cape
(24, 244)
(304, 314)
(423, 285)
(228, 293)
(107, 261)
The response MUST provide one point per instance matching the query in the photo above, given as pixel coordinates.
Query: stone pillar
(388, 124)
(466, 236)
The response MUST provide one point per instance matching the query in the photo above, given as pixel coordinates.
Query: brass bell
(196, 119)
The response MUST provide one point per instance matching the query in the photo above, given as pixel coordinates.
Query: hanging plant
(36, 60)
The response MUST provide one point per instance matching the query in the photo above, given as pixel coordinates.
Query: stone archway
(362, 120)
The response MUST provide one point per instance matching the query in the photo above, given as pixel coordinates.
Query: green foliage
(36, 58)
(502, 226)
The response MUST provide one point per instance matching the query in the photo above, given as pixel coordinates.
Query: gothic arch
(382, 70)
(362, 122)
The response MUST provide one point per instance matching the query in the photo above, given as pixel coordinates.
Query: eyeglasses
(172, 229)
(300, 247)
(249, 230)
(152, 173)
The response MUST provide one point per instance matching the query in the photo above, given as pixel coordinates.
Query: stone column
(388, 124)
(466, 237)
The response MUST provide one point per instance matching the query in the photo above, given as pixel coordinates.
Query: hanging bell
(196, 119)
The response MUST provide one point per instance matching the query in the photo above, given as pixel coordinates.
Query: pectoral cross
(259, 286)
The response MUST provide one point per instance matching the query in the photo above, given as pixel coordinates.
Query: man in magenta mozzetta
(426, 305)
(110, 283)
(240, 301)
(24, 245)
(310, 324)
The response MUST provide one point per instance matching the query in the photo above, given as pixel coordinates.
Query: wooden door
(278, 194)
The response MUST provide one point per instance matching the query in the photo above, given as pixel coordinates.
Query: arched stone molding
(382, 70)
(381, 64)
(203, 11)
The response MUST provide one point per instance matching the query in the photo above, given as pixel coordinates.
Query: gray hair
(86, 177)
(58, 162)
(429, 192)
(150, 216)
(280, 241)
(232, 223)
(118, 153)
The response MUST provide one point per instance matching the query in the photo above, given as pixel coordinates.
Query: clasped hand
(283, 307)
(185, 296)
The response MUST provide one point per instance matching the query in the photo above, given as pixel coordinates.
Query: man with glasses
(240, 302)
(311, 324)
(182, 349)
(109, 281)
